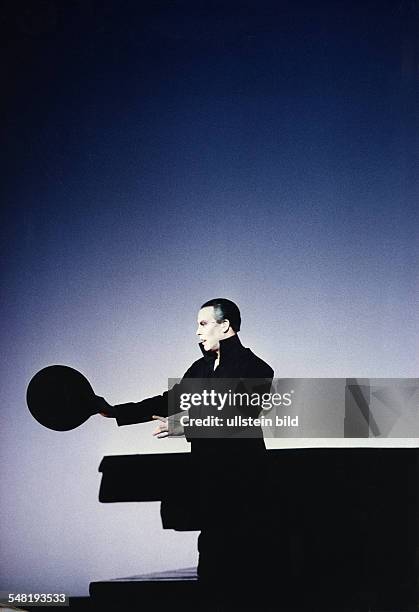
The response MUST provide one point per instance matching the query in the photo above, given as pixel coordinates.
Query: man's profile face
(209, 331)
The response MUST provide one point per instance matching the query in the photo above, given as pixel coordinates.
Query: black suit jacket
(229, 474)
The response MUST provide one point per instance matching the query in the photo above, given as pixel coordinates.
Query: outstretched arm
(134, 412)
(141, 412)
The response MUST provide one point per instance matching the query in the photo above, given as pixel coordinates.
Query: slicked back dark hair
(225, 309)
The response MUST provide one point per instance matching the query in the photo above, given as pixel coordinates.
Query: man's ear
(226, 325)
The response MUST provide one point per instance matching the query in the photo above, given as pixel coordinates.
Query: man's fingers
(160, 433)
(162, 430)
(159, 430)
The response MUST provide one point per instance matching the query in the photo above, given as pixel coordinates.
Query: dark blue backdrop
(156, 155)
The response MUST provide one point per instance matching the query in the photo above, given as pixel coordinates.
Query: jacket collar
(229, 347)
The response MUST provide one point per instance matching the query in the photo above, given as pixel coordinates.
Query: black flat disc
(60, 398)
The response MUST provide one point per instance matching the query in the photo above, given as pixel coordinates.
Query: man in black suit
(231, 472)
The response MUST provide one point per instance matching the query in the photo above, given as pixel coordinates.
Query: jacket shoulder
(196, 369)
(259, 368)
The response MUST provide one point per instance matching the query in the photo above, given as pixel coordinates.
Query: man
(224, 356)
(231, 488)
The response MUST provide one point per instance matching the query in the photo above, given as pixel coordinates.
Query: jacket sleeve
(141, 412)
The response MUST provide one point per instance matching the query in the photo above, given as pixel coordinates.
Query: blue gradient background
(154, 158)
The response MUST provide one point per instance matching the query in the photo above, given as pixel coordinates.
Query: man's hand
(103, 407)
(166, 423)
(162, 430)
